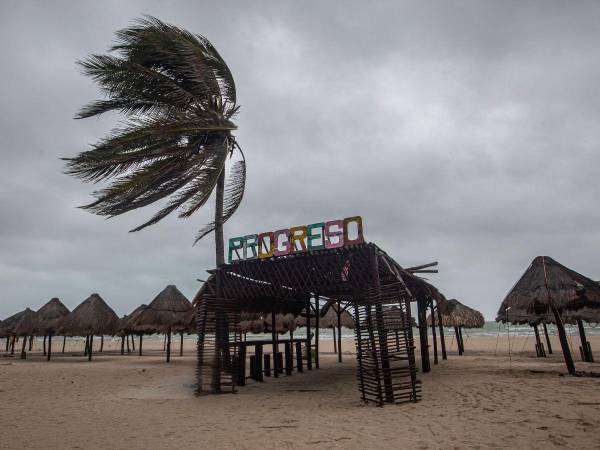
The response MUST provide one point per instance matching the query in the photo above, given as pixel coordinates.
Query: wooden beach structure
(20, 325)
(362, 277)
(49, 321)
(547, 288)
(168, 313)
(92, 317)
(125, 330)
(454, 314)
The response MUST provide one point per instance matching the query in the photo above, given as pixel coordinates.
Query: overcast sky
(462, 132)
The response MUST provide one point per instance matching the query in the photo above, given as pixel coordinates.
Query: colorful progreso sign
(317, 236)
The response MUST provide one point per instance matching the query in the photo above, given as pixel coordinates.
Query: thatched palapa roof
(170, 310)
(124, 326)
(547, 284)
(19, 324)
(49, 318)
(455, 314)
(92, 317)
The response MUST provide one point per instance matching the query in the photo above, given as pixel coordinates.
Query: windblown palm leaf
(178, 98)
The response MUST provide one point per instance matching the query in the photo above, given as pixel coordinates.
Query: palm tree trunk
(219, 243)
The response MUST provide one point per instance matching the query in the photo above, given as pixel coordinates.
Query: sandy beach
(478, 400)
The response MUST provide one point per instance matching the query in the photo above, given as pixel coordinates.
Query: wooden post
(441, 327)
(317, 329)
(258, 359)
(91, 347)
(132, 343)
(49, 346)
(339, 327)
(462, 342)
(299, 367)
(539, 348)
(140, 345)
(563, 342)
(101, 343)
(127, 338)
(64, 343)
(334, 341)
(12, 346)
(23, 354)
(7, 343)
(169, 348)
(123, 345)
(424, 342)
(458, 340)
(267, 361)
(181, 344)
(433, 333)
(30, 342)
(289, 362)
(241, 368)
(547, 339)
(585, 347)
(274, 344)
(44, 345)
(308, 339)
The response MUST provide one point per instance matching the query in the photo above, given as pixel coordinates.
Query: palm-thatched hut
(458, 316)
(168, 313)
(92, 317)
(548, 287)
(22, 325)
(49, 320)
(125, 329)
(334, 316)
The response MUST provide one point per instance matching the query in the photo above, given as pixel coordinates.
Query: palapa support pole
(563, 341)
(462, 342)
(299, 367)
(424, 342)
(64, 343)
(132, 343)
(23, 354)
(547, 339)
(49, 346)
(101, 343)
(127, 339)
(317, 328)
(123, 345)
(169, 349)
(181, 344)
(7, 343)
(91, 349)
(339, 327)
(44, 345)
(308, 338)
(30, 342)
(539, 350)
(274, 345)
(441, 328)
(140, 346)
(458, 340)
(12, 346)
(334, 341)
(433, 333)
(585, 346)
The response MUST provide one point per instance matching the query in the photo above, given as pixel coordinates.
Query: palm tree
(178, 99)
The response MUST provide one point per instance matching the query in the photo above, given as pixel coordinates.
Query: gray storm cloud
(463, 132)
